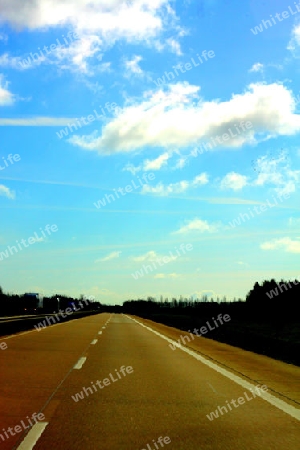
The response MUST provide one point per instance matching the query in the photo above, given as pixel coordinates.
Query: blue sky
(135, 129)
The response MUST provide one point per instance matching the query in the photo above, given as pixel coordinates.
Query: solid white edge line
(280, 404)
(94, 342)
(80, 363)
(33, 436)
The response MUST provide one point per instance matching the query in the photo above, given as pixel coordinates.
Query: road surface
(113, 382)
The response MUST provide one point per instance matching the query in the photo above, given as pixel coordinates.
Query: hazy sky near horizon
(137, 129)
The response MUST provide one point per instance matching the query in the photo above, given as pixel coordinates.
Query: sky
(148, 147)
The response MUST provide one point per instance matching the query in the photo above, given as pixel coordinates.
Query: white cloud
(13, 62)
(175, 188)
(76, 55)
(257, 67)
(131, 168)
(294, 222)
(6, 192)
(164, 190)
(277, 172)
(109, 257)
(156, 164)
(174, 45)
(3, 37)
(149, 256)
(148, 165)
(166, 275)
(133, 66)
(197, 225)
(135, 21)
(234, 181)
(99, 23)
(181, 162)
(294, 43)
(36, 121)
(286, 244)
(6, 97)
(168, 118)
(200, 180)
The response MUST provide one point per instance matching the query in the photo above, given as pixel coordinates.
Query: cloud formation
(197, 225)
(168, 118)
(6, 97)
(109, 257)
(6, 192)
(175, 188)
(287, 244)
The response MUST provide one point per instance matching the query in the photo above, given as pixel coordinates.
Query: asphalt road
(142, 394)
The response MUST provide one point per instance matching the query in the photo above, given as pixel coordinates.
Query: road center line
(100, 332)
(80, 363)
(94, 342)
(33, 436)
(280, 404)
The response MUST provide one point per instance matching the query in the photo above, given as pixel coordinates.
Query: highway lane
(34, 365)
(166, 394)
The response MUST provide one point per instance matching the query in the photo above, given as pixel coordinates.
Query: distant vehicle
(32, 302)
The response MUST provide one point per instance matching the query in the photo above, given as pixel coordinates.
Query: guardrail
(11, 325)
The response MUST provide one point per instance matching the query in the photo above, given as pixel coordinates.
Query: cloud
(6, 97)
(109, 257)
(3, 37)
(294, 43)
(132, 66)
(149, 256)
(294, 221)
(166, 275)
(234, 181)
(174, 45)
(6, 192)
(13, 62)
(175, 188)
(156, 164)
(200, 180)
(76, 55)
(135, 21)
(286, 244)
(131, 168)
(167, 117)
(277, 172)
(197, 225)
(147, 165)
(36, 121)
(181, 162)
(257, 67)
